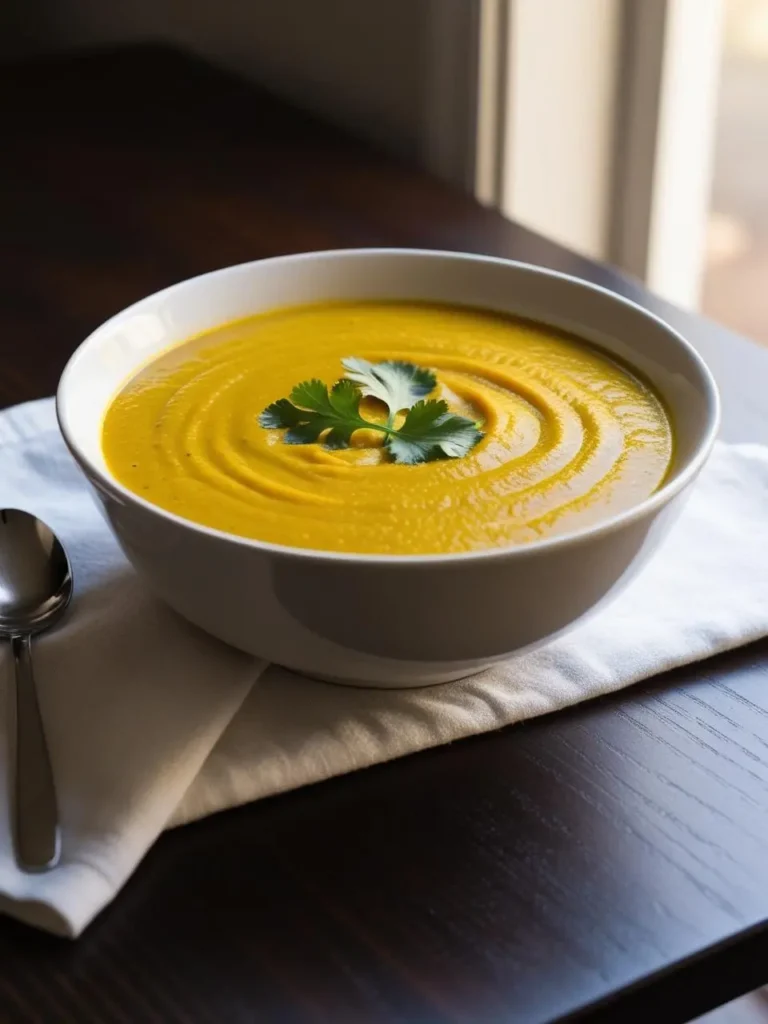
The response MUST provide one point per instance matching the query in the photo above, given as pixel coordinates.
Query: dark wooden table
(606, 863)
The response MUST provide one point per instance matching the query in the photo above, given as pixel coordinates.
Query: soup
(569, 436)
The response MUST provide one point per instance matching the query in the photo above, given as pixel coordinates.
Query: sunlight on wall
(736, 272)
(746, 28)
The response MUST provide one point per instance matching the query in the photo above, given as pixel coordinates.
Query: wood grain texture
(608, 863)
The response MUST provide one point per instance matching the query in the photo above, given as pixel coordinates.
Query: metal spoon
(35, 589)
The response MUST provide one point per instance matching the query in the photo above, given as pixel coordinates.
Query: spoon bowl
(35, 575)
(35, 588)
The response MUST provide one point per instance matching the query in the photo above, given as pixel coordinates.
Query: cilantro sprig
(428, 432)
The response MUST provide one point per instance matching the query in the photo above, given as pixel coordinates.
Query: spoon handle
(36, 815)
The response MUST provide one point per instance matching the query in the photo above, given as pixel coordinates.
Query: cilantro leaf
(397, 384)
(430, 432)
(311, 410)
(280, 414)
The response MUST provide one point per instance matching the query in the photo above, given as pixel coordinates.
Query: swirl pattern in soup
(570, 435)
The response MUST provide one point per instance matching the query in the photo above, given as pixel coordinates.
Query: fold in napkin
(151, 723)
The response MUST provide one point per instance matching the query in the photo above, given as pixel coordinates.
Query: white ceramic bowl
(322, 612)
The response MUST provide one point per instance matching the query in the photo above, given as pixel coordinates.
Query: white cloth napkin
(150, 723)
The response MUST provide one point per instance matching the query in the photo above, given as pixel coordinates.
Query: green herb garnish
(398, 385)
(310, 410)
(429, 431)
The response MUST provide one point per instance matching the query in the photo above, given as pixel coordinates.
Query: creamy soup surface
(570, 436)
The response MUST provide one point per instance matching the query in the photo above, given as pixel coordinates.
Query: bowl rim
(648, 506)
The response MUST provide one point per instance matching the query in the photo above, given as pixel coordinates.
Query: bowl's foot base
(399, 682)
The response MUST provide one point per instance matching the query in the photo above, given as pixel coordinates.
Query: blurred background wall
(402, 74)
(374, 67)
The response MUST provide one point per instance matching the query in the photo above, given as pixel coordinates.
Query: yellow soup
(570, 435)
